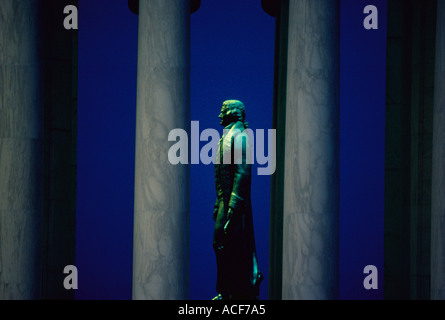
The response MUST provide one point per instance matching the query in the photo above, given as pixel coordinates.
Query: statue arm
(217, 182)
(242, 174)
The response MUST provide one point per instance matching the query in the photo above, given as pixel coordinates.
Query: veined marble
(438, 163)
(20, 150)
(161, 204)
(311, 184)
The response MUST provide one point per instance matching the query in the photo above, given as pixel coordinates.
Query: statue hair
(237, 110)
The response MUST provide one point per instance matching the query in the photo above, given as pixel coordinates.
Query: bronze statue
(238, 276)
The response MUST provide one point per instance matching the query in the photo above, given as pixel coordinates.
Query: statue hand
(229, 218)
(215, 213)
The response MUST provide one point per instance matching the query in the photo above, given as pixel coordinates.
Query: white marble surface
(20, 150)
(161, 212)
(311, 184)
(438, 163)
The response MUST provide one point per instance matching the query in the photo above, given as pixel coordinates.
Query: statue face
(231, 111)
(225, 116)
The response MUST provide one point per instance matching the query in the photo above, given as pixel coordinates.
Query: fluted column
(161, 206)
(20, 150)
(438, 163)
(311, 183)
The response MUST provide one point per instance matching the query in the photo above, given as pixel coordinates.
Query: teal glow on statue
(238, 276)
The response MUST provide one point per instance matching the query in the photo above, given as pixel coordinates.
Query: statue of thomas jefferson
(238, 276)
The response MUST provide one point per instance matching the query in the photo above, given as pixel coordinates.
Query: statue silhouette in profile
(238, 276)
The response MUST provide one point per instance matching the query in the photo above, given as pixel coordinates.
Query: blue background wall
(232, 47)
(105, 154)
(362, 147)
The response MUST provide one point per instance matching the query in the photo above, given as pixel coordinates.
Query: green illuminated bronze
(238, 276)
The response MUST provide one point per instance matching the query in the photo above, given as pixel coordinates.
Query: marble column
(20, 150)
(279, 10)
(438, 163)
(161, 206)
(311, 183)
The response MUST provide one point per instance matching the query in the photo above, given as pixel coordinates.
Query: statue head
(232, 111)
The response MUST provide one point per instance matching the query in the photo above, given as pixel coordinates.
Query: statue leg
(222, 283)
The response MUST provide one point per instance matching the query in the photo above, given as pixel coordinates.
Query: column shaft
(438, 164)
(20, 150)
(311, 184)
(161, 212)
(277, 179)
